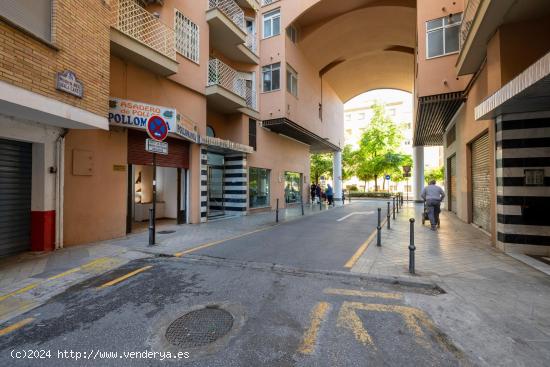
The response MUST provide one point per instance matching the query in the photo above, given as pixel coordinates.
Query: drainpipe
(59, 187)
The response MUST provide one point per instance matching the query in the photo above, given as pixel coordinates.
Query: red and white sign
(157, 128)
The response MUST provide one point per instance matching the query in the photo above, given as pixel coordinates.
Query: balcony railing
(251, 100)
(221, 74)
(231, 10)
(252, 42)
(468, 19)
(268, 2)
(136, 22)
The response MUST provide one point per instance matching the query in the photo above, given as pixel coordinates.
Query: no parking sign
(157, 128)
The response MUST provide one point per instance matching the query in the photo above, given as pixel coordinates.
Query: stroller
(426, 217)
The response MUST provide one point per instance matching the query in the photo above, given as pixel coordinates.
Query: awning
(294, 131)
(528, 92)
(433, 115)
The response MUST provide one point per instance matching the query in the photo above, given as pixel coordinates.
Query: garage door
(15, 196)
(481, 196)
(452, 183)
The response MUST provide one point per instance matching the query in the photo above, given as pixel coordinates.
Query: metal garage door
(452, 183)
(481, 197)
(15, 196)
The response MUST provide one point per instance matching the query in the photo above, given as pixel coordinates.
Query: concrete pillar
(418, 172)
(337, 175)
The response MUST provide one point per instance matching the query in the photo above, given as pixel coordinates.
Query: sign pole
(154, 195)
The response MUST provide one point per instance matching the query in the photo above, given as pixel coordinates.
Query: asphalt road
(291, 304)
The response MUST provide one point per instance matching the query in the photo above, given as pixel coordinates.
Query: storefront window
(258, 187)
(293, 187)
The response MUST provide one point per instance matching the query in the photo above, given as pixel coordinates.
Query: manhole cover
(166, 232)
(200, 327)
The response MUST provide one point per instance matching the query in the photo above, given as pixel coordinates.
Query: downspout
(59, 187)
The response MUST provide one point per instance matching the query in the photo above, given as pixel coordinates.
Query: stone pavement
(495, 307)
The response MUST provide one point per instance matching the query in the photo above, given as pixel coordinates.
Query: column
(337, 175)
(418, 172)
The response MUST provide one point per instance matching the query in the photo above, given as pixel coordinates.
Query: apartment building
(482, 92)
(227, 76)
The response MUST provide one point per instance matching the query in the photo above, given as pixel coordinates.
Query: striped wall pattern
(204, 184)
(235, 190)
(522, 211)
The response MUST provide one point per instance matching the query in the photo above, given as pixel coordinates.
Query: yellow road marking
(317, 315)
(15, 326)
(124, 277)
(351, 262)
(70, 271)
(19, 291)
(358, 293)
(210, 244)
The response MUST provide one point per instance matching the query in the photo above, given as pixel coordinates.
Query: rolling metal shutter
(178, 151)
(452, 183)
(481, 196)
(15, 196)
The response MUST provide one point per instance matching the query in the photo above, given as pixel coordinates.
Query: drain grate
(199, 328)
(166, 232)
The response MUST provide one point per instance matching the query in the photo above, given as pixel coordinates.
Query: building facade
(482, 93)
(227, 76)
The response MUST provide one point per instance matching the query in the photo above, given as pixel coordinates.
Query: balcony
(141, 38)
(227, 92)
(228, 31)
(251, 4)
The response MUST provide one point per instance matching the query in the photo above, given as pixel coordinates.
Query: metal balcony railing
(268, 2)
(136, 22)
(251, 99)
(221, 74)
(467, 20)
(231, 9)
(252, 42)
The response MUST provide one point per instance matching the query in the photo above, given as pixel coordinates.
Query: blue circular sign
(388, 177)
(157, 128)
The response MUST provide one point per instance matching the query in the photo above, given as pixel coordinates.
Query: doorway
(215, 191)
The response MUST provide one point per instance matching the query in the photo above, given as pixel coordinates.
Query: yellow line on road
(358, 293)
(317, 315)
(19, 291)
(70, 271)
(210, 244)
(124, 277)
(15, 326)
(351, 262)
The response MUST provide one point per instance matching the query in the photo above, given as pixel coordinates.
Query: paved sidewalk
(496, 307)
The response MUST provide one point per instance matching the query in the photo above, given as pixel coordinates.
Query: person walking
(330, 195)
(313, 192)
(433, 195)
(318, 192)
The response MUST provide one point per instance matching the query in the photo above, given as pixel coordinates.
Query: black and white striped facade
(523, 220)
(235, 179)
(204, 184)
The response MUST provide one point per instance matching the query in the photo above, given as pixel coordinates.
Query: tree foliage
(436, 174)
(320, 164)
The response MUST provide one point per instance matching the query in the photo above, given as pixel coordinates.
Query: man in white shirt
(433, 195)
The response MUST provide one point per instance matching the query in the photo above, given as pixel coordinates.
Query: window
(361, 116)
(210, 131)
(33, 16)
(348, 116)
(258, 187)
(271, 77)
(291, 81)
(252, 133)
(442, 35)
(187, 37)
(293, 187)
(292, 33)
(272, 23)
(392, 112)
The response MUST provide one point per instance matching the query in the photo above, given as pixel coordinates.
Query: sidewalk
(496, 307)
(29, 279)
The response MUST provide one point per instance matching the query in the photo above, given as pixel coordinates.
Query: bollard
(393, 208)
(349, 197)
(398, 203)
(388, 216)
(412, 248)
(151, 228)
(320, 203)
(277, 212)
(302, 202)
(379, 229)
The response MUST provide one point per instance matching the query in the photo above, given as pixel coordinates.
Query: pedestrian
(343, 196)
(330, 194)
(313, 192)
(433, 195)
(318, 192)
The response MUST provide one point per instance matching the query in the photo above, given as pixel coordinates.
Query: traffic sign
(153, 146)
(388, 177)
(157, 128)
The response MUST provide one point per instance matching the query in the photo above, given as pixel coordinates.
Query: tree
(349, 162)
(321, 164)
(435, 174)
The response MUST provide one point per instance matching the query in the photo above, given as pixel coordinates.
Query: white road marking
(355, 213)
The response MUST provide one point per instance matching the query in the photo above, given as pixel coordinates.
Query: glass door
(215, 191)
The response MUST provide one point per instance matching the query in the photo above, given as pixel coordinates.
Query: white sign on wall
(159, 147)
(135, 114)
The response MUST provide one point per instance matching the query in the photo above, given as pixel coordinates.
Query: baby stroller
(426, 217)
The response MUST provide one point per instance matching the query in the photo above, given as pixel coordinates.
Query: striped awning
(433, 115)
(528, 92)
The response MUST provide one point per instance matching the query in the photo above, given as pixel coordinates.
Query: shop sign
(155, 146)
(225, 144)
(66, 81)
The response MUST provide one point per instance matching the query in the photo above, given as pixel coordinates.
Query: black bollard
(320, 203)
(302, 202)
(379, 228)
(412, 248)
(393, 208)
(349, 197)
(277, 212)
(388, 216)
(151, 227)
(398, 203)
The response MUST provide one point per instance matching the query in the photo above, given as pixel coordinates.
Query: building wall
(32, 64)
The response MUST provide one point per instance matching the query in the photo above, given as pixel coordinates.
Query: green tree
(320, 164)
(434, 174)
(349, 162)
